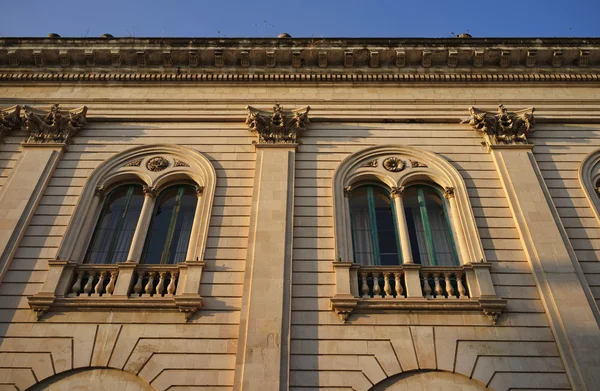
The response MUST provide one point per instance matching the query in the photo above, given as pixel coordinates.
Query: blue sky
(304, 18)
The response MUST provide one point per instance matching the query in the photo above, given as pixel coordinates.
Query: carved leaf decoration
(503, 127)
(179, 163)
(134, 163)
(277, 127)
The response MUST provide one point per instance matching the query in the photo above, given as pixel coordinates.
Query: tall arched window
(171, 226)
(428, 227)
(116, 226)
(374, 232)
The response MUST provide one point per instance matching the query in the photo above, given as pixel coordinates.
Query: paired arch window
(168, 234)
(375, 222)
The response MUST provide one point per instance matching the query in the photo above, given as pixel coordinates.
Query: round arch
(589, 178)
(397, 166)
(98, 379)
(428, 380)
(153, 166)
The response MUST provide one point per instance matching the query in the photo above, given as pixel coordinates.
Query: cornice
(287, 59)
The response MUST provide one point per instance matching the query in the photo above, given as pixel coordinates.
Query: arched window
(428, 224)
(171, 225)
(115, 228)
(374, 232)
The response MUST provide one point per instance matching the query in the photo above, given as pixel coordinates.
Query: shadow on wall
(98, 379)
(428, 380)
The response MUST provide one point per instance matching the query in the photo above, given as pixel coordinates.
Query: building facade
(299, 214)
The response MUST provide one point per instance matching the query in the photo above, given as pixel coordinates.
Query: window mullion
(373, 223)
(168, 242)
(426, 226)
(119, 227)
(395, 217)
(142, 227)
(450, 232)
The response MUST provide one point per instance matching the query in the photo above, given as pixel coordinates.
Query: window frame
(589, 179)
(396, 168)
(156, 167)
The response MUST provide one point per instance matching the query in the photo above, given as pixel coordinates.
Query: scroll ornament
(10, 119)
(277, 127)
(502, 127)
(54, 127)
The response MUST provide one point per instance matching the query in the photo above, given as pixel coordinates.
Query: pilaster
(553, 263)
(262, 361)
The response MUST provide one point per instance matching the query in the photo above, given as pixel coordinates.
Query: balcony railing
(415, 287)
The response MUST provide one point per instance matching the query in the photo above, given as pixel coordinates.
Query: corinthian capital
(55, 126)
(277, 127)
(503, 127)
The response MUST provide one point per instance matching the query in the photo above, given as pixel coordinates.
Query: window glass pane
(416, 229)
(171, 226)
(361, 227)
(116, 225)
(440, 231)
(386, 230)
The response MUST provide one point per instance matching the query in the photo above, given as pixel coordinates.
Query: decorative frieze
(55, 126)
(277, 127)
(502, 127)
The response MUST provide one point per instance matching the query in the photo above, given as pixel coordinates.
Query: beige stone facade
(270, 295)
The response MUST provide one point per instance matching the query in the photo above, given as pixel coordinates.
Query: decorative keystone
(277, 127)
(503, 127)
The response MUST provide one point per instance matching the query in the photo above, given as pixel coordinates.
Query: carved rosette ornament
(54, 127)
(277, 127)
(157, 163)
(394, 164)
(502, 127)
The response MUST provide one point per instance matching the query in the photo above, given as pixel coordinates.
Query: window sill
(125, 286)
(470, 289)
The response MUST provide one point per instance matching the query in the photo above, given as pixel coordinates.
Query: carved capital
(347, 191)
(149, 191)
(10, 119)
(100, 191)
(199, 191)
(448, 192)
(397, 192)
(502, 127)
(56, 126)
(277, 127)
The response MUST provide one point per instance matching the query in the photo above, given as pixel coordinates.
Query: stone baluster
(160, 288)
(99, 288)
(398, 285)
(439, 292)
(461, 288)
(449, 287)
(149, 289)
(171, 287)
(376, 287)
(137, 288)
(76, 289)
(387, 287)
(110, 287)
(426, 286)
(87, 289)
(365, 286)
